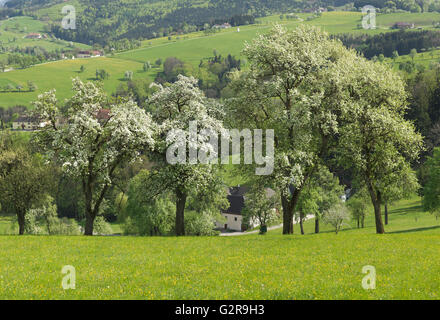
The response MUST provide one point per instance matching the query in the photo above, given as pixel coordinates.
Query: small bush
(199, 224)
(102, 227)
(337, 216)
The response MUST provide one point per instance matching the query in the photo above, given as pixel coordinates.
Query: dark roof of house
(95, 52)
(236, 205)
(236, 198)
(237, 191)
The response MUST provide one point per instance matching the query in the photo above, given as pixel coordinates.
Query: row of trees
(389, 43)
(329, 108)
(326, 103)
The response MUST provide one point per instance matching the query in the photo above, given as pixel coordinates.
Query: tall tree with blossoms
(185, 119)
(376, 140)
(294, 87)
(93, 138)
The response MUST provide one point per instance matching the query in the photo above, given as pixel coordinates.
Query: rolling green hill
(189, 48)
(13, 32)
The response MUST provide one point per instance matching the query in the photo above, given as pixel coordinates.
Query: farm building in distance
(34, 36)
(222, 26)
(27, 123)
(89, 54)
(403, 25)
(233, 214)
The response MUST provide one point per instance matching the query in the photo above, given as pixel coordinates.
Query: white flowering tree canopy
(93, 137)
(291, 87)
(176, 107)
(376, 139)
(179, 104)
(185, 116)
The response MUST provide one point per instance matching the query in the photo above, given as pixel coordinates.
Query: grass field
(190, 48)
(323, 266)
(422, 58)
(18, 27)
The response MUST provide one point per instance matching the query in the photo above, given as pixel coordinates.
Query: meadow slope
(323, 266)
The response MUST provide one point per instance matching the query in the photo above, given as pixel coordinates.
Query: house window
(235, 218)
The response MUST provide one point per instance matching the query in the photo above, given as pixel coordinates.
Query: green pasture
(322, 266)
(59, 75)
(13, 33)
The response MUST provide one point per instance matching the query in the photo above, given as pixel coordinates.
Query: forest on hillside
(103, 21)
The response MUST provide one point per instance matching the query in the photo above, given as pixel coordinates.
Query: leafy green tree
(431, 189)
(261, 207)
(24, 179)
(377, 142)
(128, 75)
(358, 205)
(101, 74)
(413, 54)
(145, 215)
(399, 186)
(158, 62)
(381, 58)
(96, 142)
(328, 192)
(147, 66)
(308, 204)
(32, 86)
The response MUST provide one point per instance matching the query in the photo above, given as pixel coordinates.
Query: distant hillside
(103, 21)
(107, 21)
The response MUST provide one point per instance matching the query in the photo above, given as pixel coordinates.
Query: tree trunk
(358, 222)
(376, 200)
(317, 224)
(90, 219)
(90, 216)
(287, 215)
(386, 213)
(363, 221)
(180, 212)
(301, 217)
(21, 222)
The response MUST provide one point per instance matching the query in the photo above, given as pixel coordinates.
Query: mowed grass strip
(323, 266)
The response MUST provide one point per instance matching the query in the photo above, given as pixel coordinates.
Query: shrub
(44, 220)
(199, 224)
(102, 227)
(155, 218)
(336, 216)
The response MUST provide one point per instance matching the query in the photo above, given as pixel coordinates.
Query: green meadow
(421, 58)
(59, 75)
(190, 48)
(13, 33)
(311, 266)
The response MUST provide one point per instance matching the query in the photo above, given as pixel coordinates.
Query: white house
(27, 123)
(233, 215)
